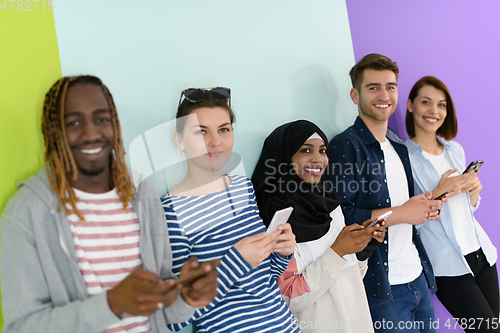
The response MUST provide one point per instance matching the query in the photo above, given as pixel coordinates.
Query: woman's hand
(286, 241)
(474, 188)
(201, 291)
(351, 239)
(457, 184)
(378, 230)
(254, 249)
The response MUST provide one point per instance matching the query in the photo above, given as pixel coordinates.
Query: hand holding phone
(380, 218)
(190, 278)
(475, 165)
(279, 218)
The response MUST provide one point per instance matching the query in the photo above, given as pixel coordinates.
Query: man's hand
(377, 230)
(140, 292)
(203, 290)
(286, 241)
(419, 209)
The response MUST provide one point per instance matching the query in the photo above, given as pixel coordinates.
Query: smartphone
(380, 218)
(473, 166)
(443, 195)
(188, 279)
(279, 218)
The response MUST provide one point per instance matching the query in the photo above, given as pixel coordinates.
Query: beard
(91, 172)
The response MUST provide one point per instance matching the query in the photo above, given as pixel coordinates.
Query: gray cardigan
(42, 287)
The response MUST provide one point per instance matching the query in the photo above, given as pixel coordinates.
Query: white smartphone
(380, 218)
(279, 218)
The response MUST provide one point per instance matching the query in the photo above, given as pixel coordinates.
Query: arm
(475, 198)
(232, 265)
(282, 251)
(29, 304)
(415, 210)
(363, 267)
(464, 182)
(307, 288)
(348, 175)
(279, 264)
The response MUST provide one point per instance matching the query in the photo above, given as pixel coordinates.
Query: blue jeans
(411, 311)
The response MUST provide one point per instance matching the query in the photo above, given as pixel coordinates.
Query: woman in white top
(323, 283)
(462, 255)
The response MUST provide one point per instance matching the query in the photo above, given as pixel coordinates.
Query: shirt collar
(413, 145)
(442, 141)
(367, 136)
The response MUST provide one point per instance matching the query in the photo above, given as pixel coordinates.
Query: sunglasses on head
(195, 95)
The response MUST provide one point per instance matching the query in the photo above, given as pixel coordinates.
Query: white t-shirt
(458, 207)
(404, 262)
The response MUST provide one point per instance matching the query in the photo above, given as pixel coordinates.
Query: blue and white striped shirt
(207, 227)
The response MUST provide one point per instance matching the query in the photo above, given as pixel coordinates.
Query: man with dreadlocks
(83, 250)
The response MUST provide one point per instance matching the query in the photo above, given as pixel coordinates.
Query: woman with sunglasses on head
(462, 255)
(323, 284)
(214, 216)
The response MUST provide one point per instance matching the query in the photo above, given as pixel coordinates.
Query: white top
(404, 262)
(458, 207)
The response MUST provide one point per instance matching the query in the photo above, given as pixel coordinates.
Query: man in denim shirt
(370, 171)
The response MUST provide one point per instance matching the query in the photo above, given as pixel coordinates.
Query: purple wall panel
(456, 41)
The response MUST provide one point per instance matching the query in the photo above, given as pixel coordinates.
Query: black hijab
(311, 204)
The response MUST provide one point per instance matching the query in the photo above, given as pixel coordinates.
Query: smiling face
(207, 138)
(89, 129)
(428, 110)
(310, 160)
(378, 95)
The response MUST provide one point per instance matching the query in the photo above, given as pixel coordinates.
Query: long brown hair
(449, 128)
(58, 158)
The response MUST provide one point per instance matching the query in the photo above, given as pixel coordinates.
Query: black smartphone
(443, 195)
(473, 166)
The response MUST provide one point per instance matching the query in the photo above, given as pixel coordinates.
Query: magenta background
(458, 42)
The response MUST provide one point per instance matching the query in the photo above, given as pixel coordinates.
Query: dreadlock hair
(58, 158)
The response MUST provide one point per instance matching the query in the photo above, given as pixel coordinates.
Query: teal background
(283, 60)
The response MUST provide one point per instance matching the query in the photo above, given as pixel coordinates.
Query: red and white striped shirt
(107, 248)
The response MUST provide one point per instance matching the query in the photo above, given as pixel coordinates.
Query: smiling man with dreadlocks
(82, 249)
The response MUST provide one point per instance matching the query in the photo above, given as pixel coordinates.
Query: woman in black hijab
(323, 282)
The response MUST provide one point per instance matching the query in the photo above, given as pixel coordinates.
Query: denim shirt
(439, 236)
(357, 173)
